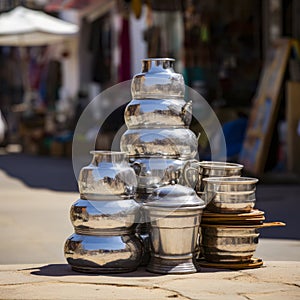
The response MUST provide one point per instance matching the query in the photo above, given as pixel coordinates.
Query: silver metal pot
(230, 194)
(222, 243)
(153, 172)
(108, 175)
(215, 169)
(103, 254)
(104, 217)
(158, 80)
(158, 113)
(231, 202)
(174, 142)
(174, 212)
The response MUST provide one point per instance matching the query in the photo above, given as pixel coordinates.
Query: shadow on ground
(40, 171)
(60, 270)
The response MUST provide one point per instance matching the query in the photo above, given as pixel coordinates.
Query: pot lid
(175, 196)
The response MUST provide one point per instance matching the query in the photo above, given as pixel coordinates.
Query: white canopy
(25, 27)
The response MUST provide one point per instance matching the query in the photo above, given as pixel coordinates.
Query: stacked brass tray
(254, 217)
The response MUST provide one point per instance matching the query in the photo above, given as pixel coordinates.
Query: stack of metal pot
(104, 217)
(229, 228)
(158, 141)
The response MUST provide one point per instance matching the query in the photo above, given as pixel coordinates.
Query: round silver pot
(228, 243)
(157, 80)
(109, 217)
(158, 113)
(175, 142)
(103, 254)
(108, 175)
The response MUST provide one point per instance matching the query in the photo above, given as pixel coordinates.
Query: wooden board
(265, 108)
(293, 126)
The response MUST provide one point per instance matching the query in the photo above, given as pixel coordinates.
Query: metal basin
(230, 194)
(235, 202)
(230, 184)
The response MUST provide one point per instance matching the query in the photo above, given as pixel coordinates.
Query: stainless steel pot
(231, 202)
(108, 175)
(158, 113)
(230, 194)
(158, 80)
(215, 169)
(153, 172)
(222, 243)
(104, 217)
(174, 212)
(103, 254)
(175, 142)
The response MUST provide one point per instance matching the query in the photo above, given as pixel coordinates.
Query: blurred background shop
(220, 47)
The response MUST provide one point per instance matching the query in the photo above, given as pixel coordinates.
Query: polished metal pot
(158, 113)
(104, 217)
(158, 80)
(153, 172)
(103, 254)
(108, 175)
(173, 142)
(174, 213)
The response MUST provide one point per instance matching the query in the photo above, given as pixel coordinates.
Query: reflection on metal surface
(108, 174)
(157, 80)
(105, 217)
(103, 254)
(175, 142)
(158, 113)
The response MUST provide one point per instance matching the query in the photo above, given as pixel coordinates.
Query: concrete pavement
(277, 280)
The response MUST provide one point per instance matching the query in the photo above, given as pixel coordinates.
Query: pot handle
(271, 224)
(137, 167)
(191, 166)
(187, 107)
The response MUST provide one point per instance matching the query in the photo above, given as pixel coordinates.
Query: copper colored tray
(252, 264)
(252, 218)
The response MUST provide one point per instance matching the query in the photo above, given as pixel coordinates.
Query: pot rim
(233, 180)
(218, 165)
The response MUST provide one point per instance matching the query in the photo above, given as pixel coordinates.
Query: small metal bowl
(230, 194)
(235, 202)
(230, 184)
